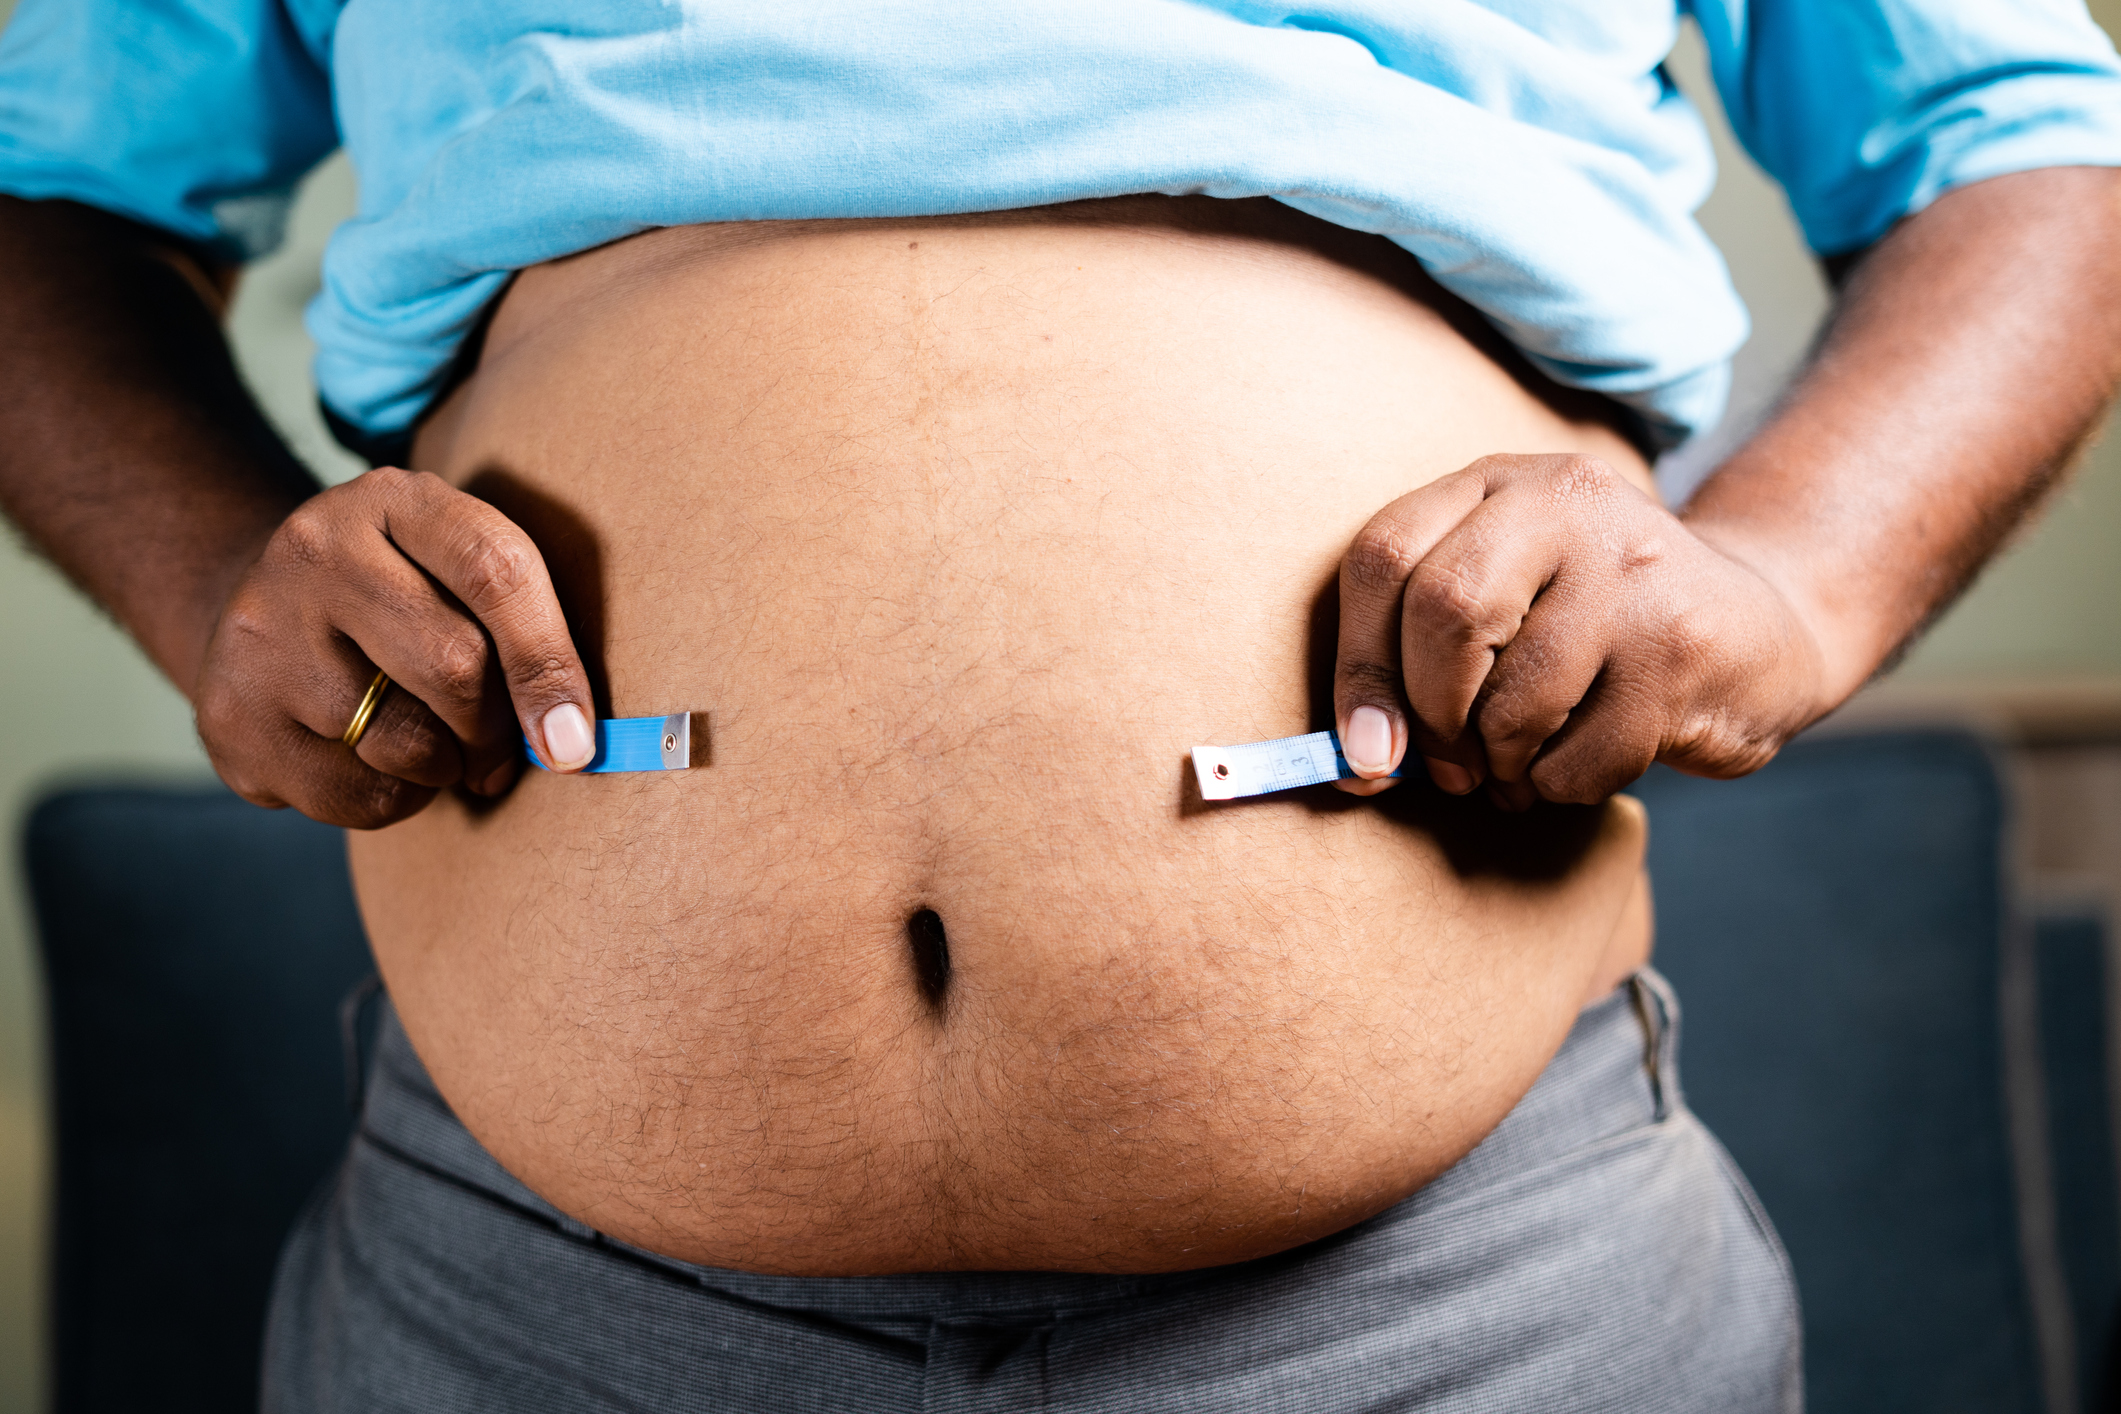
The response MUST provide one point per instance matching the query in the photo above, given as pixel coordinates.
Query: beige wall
(2051, 605)
(76, 700)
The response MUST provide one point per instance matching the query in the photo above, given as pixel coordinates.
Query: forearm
(130, 453)
(1970, 355)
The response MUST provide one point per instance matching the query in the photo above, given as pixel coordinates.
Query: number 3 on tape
(1263, 767)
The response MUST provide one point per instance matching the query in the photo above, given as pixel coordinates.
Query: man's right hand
(397, 571)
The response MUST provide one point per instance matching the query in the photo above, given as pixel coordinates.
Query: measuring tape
(677, 742)
(1263, 767)
(646, 744)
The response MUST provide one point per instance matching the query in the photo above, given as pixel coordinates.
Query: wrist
(1830, 649)
(178, 628)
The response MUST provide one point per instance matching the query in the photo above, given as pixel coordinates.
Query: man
(932, 1045)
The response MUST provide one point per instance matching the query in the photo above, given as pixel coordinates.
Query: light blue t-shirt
(1532, 154)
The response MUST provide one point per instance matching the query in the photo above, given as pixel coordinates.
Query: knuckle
(1714, 745)
(307, 537)
(1441, 600)
(1498, 469)
(457, 659)
(1579, 475)
(226, 712)
(1380, 559)
(1575, 486)
(248, 619)
(1513, 720)
(214, 708)
(1690, 639)
(392, 485)
(497, 564)
(1643, 553)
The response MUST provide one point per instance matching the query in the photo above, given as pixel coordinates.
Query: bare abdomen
(962, 532)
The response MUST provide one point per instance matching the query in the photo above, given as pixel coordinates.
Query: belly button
(931, 955)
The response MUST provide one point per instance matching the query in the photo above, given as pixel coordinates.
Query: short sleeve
(1868, 110)
(194, 116)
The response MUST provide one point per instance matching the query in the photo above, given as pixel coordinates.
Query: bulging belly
(961, 532)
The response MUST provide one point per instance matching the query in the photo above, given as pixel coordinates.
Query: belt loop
(1657, 1009)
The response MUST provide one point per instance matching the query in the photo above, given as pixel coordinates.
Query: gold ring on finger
(366, 712)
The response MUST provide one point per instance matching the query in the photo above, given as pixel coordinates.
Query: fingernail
(1449, 775)
(568, 740)
(1369, 739)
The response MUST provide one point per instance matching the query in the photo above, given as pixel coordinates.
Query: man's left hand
(1538, 624)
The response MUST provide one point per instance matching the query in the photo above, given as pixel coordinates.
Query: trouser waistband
(1616, 1071)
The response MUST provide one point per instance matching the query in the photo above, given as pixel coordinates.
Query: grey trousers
(1598, 1251)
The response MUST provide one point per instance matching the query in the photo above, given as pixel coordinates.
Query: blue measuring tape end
(1263, 767)
(677, 742)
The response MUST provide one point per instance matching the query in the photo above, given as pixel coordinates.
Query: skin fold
(962, 530)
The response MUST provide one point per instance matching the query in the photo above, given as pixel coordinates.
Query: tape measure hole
(1222, 770)
(670, 741)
